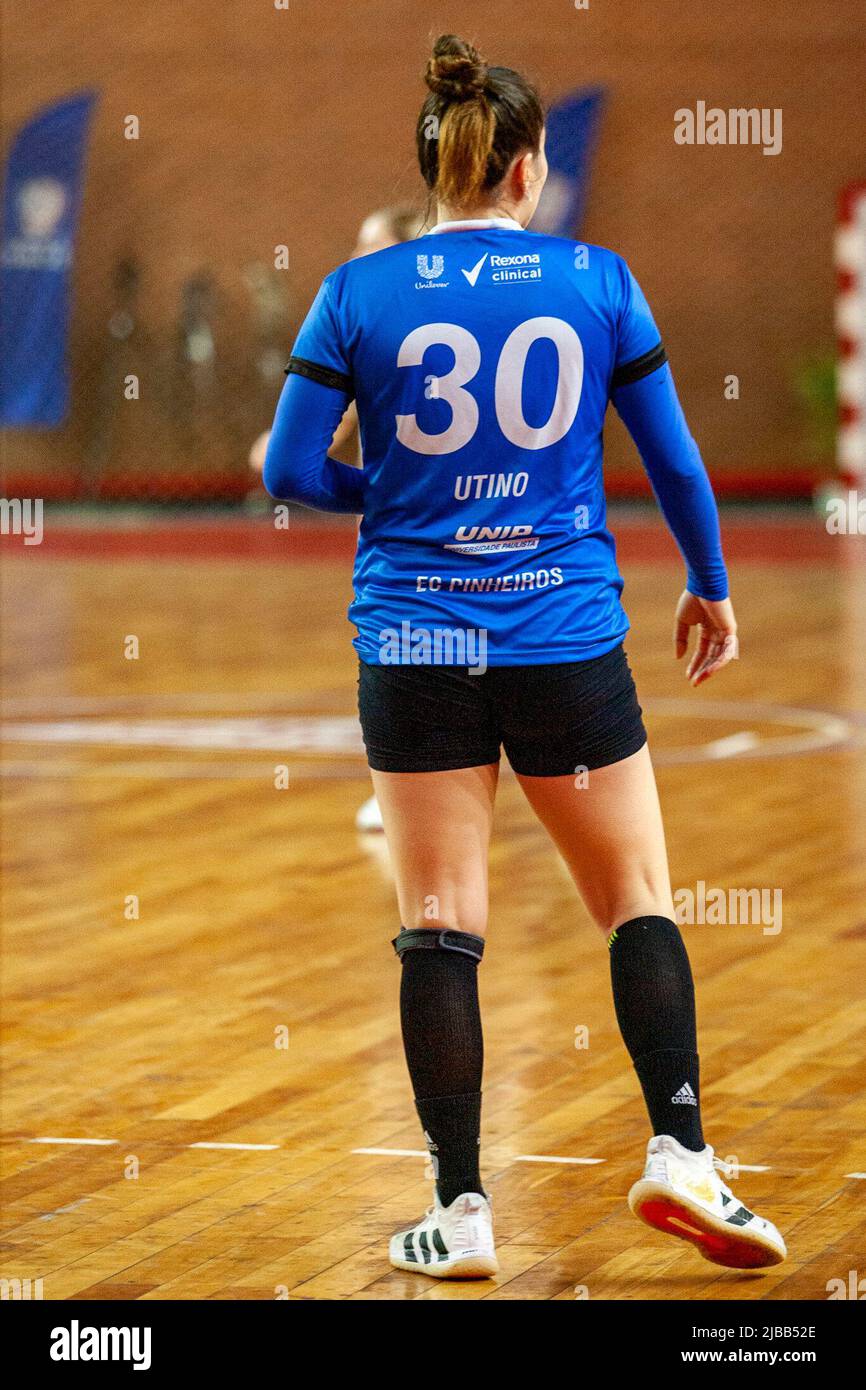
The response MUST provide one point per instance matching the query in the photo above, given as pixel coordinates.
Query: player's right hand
(717, 635)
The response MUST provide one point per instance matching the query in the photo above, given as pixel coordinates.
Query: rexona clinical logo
(430, 268)
(510, 269)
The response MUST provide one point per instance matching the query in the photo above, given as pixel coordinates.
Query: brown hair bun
(455, 70)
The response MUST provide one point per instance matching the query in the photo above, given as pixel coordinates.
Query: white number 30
(508, 388)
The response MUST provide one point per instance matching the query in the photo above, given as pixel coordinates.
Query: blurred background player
(383, 228)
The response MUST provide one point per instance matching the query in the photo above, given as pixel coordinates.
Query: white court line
(186, 701)
(395, 1153)
(519, 1158)
(337, 736)
(63, 1211)
(823, 728)
(552, 1158)
(555, 1158)
(52, 1140)
(220, 772)
(328, 735)
(732, 745)
(856, 1175)
(205, 1144)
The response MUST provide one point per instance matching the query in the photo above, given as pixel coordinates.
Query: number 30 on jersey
(508, 386)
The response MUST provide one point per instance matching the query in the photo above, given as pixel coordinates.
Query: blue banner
(41, 198)
(572, 127)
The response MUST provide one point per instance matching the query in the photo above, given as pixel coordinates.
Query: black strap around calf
(438, 939)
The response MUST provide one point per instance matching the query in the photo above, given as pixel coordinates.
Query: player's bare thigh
(609, 831)
(438, 826)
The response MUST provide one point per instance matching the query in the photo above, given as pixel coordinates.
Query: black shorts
(551, 720)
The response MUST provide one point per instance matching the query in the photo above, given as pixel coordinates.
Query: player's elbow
(276, 476)
(271, 481)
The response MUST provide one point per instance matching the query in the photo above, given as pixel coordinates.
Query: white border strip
(206, 1144)
(553, 1158)
(52, 1140)
(233, 1146)
(395, 1153)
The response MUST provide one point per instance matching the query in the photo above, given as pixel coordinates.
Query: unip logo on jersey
(491, 540)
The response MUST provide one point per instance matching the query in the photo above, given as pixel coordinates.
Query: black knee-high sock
(442, 1036)
(654, 998)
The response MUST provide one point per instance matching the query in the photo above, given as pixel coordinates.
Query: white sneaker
(682, 1194)
(453, 1242)
(369, 816)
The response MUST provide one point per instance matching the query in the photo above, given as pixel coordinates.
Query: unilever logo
(40, 205)
(430, 268)
(430, 271)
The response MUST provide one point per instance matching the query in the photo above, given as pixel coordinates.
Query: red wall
(261, 126)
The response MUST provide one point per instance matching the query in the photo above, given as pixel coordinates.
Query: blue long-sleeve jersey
(482, 358)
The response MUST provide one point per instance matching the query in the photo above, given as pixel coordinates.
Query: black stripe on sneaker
(741, 1217)
(325, 376)
(425, 1247)
(639, 367)
(408, 1247)
(439, 1244)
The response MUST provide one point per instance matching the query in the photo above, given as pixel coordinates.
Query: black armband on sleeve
(325, 376)
(640, 367)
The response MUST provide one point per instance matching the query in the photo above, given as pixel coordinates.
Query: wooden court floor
(203, 1092)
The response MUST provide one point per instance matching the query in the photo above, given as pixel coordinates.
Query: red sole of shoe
(735, 1252)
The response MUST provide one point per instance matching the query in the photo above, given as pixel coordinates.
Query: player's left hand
(717, 635)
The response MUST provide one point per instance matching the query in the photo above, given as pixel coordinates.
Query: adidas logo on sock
(684, 1096)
